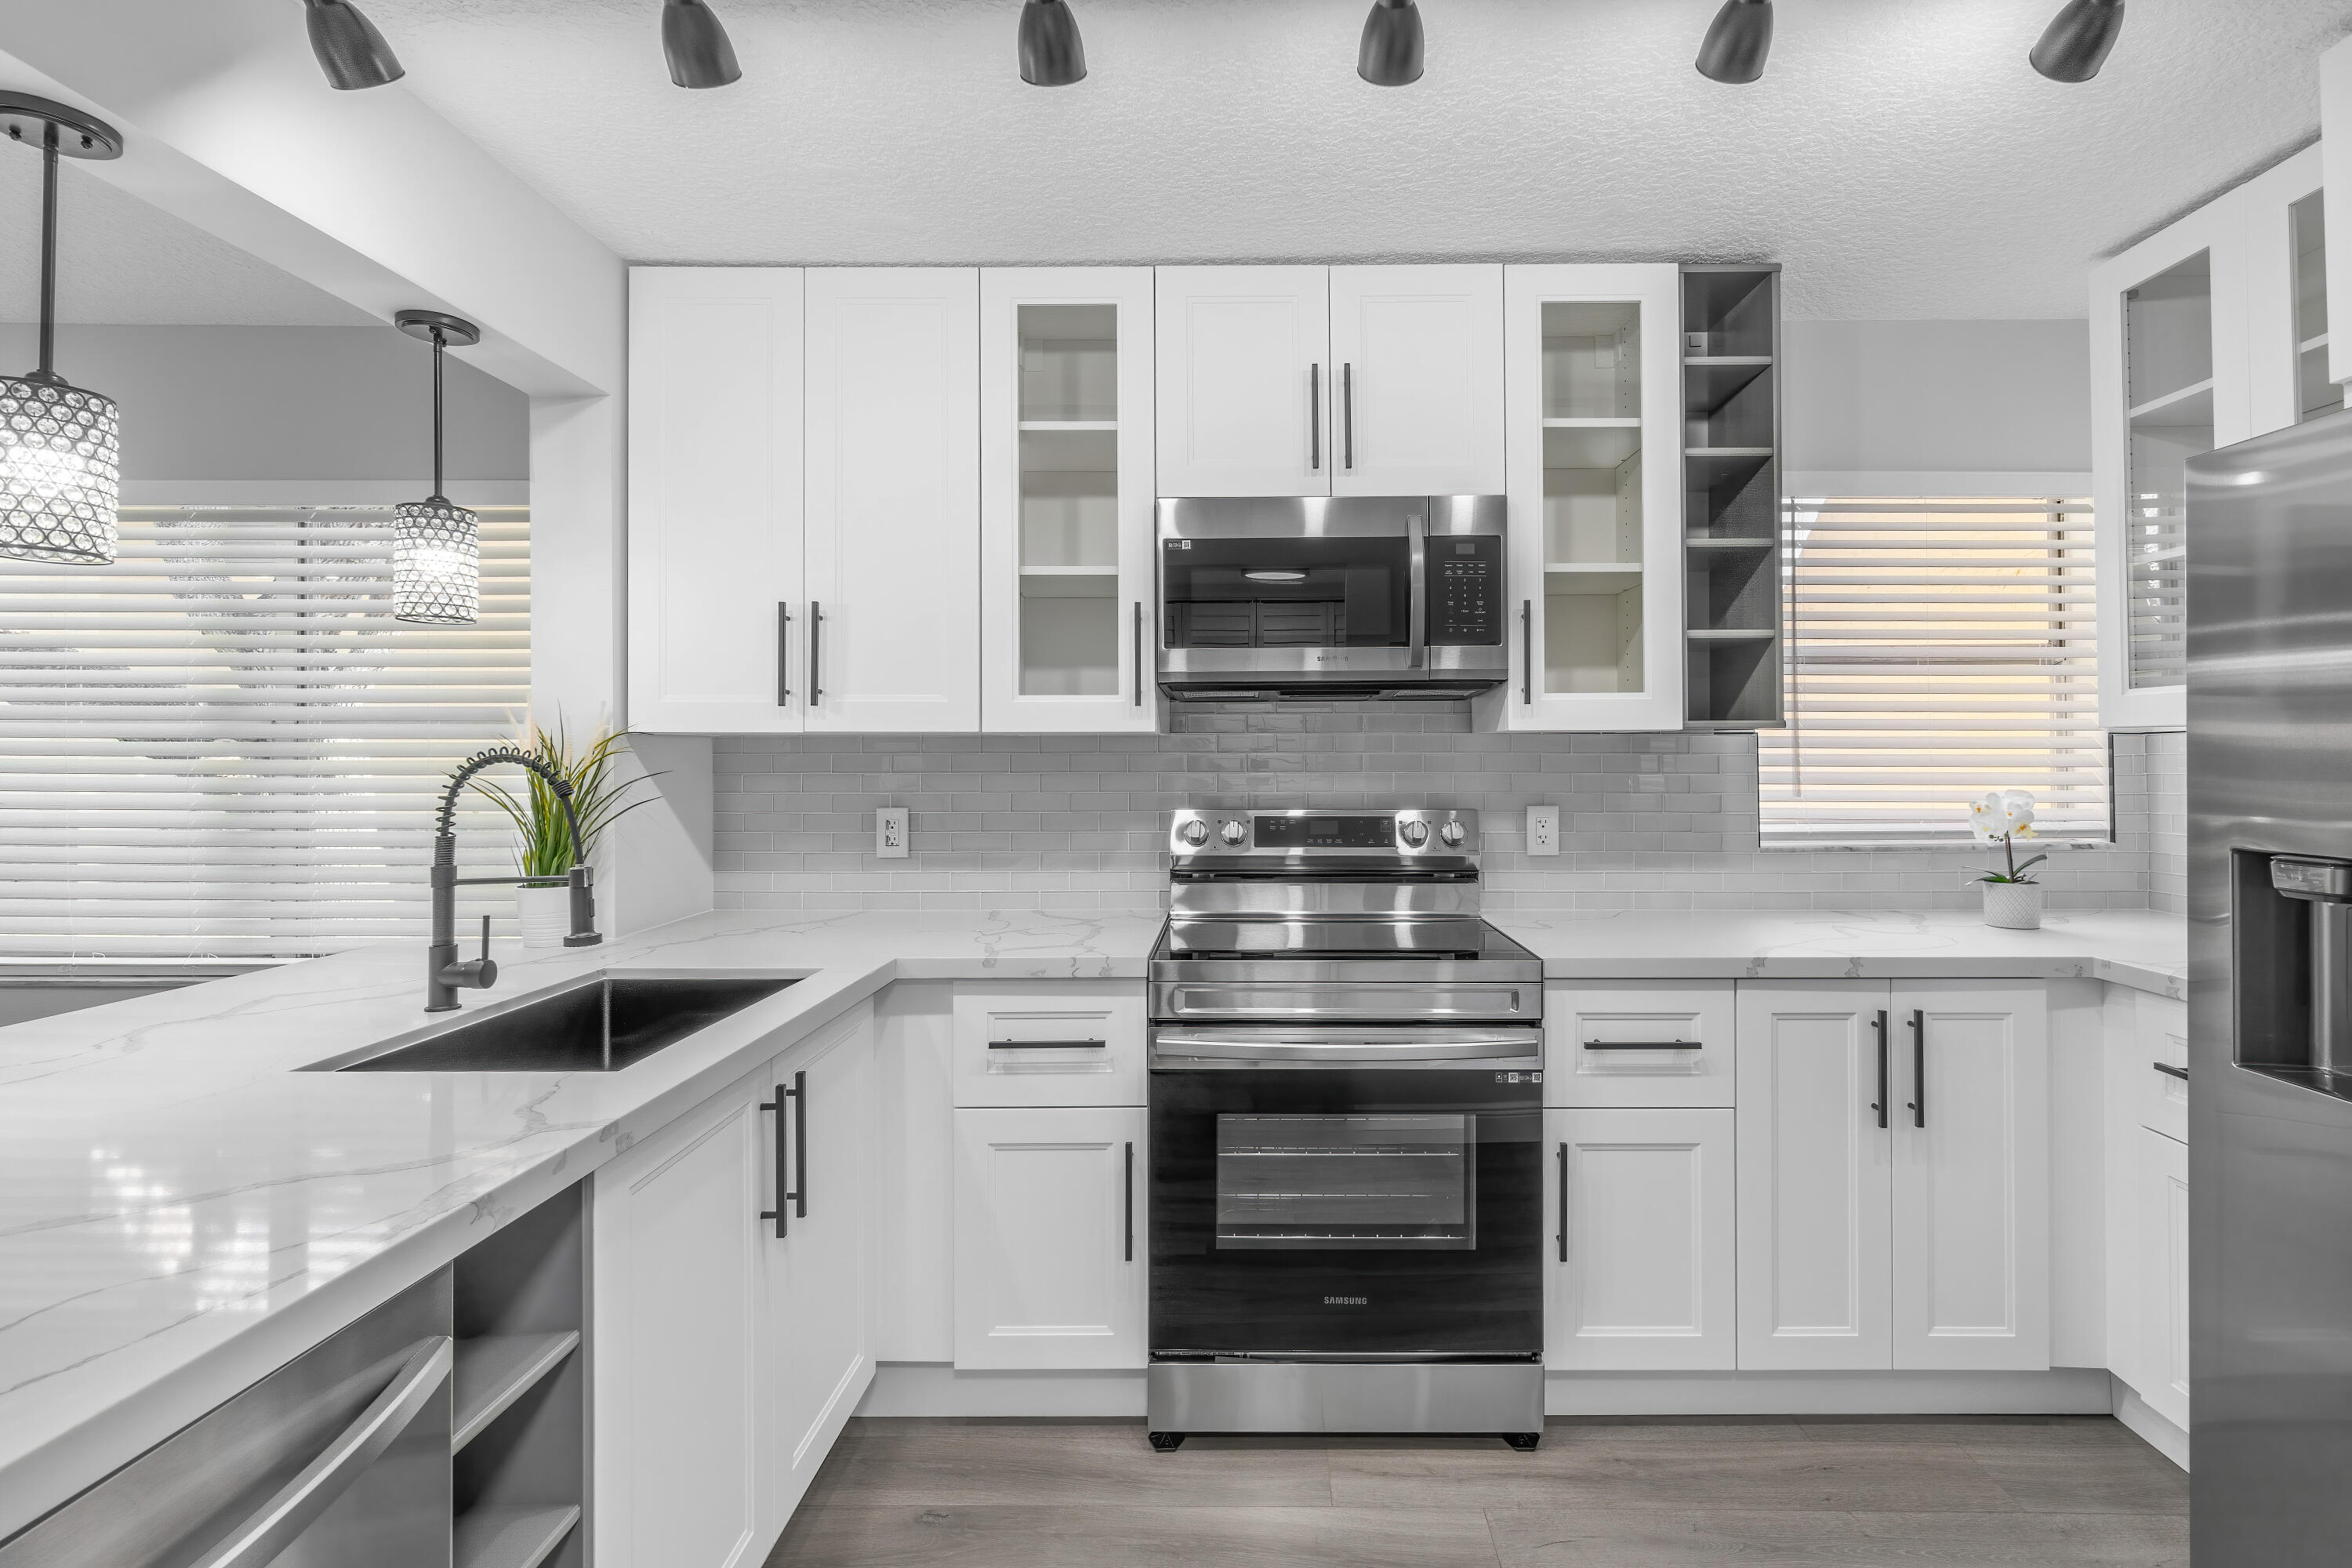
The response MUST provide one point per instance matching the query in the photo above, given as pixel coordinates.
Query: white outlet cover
(890, 833)
(1543, 830)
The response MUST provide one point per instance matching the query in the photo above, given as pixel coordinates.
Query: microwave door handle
(1417, 551)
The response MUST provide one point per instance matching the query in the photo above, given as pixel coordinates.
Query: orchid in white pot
(2013, 899)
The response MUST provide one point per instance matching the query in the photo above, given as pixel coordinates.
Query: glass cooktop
(1383, 940)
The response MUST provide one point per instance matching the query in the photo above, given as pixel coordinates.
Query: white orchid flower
(2017, 810)
(1986, 817)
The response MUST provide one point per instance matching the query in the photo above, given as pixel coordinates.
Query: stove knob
(1452, 834)
(1234, 833)
(1414, 832)
(1195, 833)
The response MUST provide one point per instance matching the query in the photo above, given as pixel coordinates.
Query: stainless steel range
(1346, 1117)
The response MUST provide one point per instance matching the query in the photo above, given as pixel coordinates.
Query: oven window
(1288, 593)
(1384, 1181)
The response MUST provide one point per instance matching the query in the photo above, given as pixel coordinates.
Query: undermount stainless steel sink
(603, 1022)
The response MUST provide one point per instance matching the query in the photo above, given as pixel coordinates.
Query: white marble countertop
(181, 1212)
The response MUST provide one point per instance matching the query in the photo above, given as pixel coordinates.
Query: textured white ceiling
(122, 262)
(1899, 157)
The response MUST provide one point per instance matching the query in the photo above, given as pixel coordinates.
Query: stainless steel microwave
(1347, 596)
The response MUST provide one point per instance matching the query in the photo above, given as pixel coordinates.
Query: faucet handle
(486, 941)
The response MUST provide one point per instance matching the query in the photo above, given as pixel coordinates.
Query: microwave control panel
(1466, 590)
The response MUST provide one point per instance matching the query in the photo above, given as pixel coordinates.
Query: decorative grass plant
(544, 848)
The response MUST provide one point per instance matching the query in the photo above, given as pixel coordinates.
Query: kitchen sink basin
(604, 1023)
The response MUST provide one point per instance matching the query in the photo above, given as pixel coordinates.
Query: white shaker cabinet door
(1049, 1236)
(1418, 354)
(714, 499)
(683, 1344)
(1640, 1216)
(2159, 1365)
(893, 516)
(1971, 1212)
(1814, 1182)
(1245, 389)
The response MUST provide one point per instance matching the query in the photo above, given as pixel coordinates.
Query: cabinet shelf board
(512, 1537)
(1709, 541)
(2309, 345)
(2189, 407)
(1575, 567)
(1735, 725)
(1068, 424)
(1612, 424)
(1069, 571)
(493, 1371)
(1722, 634)
(1710, 381)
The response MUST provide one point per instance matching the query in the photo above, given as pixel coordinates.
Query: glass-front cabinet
(1592, 403)
(1067, 494)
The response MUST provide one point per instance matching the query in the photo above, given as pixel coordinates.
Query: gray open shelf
(1731, 479)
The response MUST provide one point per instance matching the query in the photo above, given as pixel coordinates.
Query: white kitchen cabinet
(2282, 223)
(684, 1352)
(1066, 493)
(1594, 410)
(1640, 1214)
(1050, 1245)
(2154, 1359)
(1076, 1043)
(892, 551)
(1638, 1045)
(1244, 404)
(1418, 354)
(714, 499)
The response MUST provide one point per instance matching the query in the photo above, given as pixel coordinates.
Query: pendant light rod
(440, 348)
(47, 373)
(443, 332)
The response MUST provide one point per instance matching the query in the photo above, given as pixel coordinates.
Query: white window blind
(225, 745)
(1936, 648)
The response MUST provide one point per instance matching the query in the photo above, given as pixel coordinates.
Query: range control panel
(1281, 834)
(1466, 590)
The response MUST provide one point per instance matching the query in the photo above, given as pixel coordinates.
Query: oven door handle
(1519, 1048)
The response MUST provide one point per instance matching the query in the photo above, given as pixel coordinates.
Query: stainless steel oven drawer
(1337, 1001)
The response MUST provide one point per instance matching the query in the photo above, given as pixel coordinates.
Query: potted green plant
(2013, 901)
(543, 850)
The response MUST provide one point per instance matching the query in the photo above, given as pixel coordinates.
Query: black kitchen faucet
(444, 977)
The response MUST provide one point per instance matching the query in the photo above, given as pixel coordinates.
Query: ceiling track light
(1736, 42)
(697, 45)
(1389, 54)
(2075, 43)
(60, 447)
(436, 547)
(349, 48)
(1052, 53)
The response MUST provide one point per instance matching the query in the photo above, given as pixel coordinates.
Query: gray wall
(286, 403)
(1937, 396)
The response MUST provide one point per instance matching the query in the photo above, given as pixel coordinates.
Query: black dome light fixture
(60, 447)
(436, 547)
(1391, 52)
(349, 48)
(697, 45)
(1736, 42)
(2075, 43)
(1052, 53)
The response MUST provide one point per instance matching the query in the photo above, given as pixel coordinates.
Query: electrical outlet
(890, 833)
(1543, 830)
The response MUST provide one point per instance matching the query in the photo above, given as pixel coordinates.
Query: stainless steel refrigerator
(2270, 1119)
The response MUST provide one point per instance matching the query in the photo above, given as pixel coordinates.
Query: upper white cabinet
(1418, 357)
(714, 498)
(1066, 491)
(892, 500)
(1594, 410)
(1314, 381)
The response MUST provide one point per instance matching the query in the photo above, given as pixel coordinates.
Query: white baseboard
(935, 1388)
(2062, 1391)
(2156, 1430)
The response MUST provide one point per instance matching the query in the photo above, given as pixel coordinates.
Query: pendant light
(2075, 43)
(437, 552)
(1052, 53)
(1391, 52)
(348, 48)
(60, 450)
(1737, 42)
(697, 45)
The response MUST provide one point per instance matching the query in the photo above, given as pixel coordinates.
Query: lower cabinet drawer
(1080, 1043)
(2162, 1033)
(1638, 1046)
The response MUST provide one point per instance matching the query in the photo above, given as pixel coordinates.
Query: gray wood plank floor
(1949, 1493)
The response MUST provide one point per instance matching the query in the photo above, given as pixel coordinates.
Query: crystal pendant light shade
(60, 472)
(437, 563)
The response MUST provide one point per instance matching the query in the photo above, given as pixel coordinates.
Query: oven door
(1327, 1196)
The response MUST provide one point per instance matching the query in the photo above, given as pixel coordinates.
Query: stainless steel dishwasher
(338, 1459)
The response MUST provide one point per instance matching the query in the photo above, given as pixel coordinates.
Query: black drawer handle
(1642, 1045)
(2168, 1070)
(1046, 1045)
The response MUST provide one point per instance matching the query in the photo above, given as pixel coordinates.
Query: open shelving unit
(1731, 476)
(1069, 500)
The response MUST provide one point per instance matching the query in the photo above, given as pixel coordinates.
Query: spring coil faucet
(444, 977)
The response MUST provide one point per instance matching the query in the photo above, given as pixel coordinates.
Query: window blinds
(1936, 648)
(223, 745)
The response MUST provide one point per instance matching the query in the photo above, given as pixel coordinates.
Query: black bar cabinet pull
(1562, 1235)
(1046, 1045)
(783, 655)
(1526, 652)
(1130, 1202)
(816, 636)
(777, 1213)
(2168, 1070)
(1880, 1104)
(1642, 1045)
(1919, 1067)
(1315, 416)
(799, 1091)
(1139, 653)
(1348, 415)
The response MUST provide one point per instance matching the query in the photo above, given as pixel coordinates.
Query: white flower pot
(546, 914)
(2012, 906)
